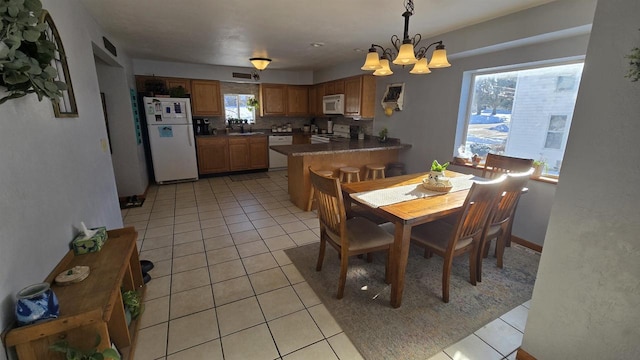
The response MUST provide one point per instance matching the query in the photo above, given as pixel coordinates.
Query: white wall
(586, 297)
(222, 73)
(53, 171)
(128, 160)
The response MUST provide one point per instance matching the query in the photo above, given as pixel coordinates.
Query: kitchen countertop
(258, 132)
(339, 146)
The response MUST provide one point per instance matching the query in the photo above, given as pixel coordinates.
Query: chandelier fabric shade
(260, 63)
(408, 53)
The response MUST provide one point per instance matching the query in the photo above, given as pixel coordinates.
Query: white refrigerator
(173, 148)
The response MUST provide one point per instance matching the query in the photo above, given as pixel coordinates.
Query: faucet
(242, 129)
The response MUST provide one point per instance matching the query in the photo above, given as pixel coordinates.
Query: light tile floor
(223, 288)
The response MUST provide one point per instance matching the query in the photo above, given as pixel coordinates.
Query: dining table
(419, 207)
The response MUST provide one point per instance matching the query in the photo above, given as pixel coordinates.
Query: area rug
(423, 325)
(251, 176)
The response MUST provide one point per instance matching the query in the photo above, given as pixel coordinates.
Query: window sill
(544, 179)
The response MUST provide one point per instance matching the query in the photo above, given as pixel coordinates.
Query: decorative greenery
(26, 53)
(177, 92)
(435, 166)
(634, 64)
(383, 133)
(253, 103)
(91, 354)
(133, 302)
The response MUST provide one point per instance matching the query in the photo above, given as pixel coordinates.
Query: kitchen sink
(246, 134)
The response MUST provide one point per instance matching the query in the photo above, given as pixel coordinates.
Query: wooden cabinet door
(297, 100)
(313, 101)
(320, 92)
(338, 86)
(352, 92)
(205, 98)
(238, 154)
(368, 98)
(330, 88)
(176, 82)
(273, 98)
(213, 155)
(258, 152)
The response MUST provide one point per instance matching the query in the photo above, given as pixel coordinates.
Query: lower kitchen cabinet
(213, 155)
(248, 153)
(226, 154)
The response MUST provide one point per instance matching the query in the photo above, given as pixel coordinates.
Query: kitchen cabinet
(320, 90)
(248, 153)
(176, 82)
(92, 307)
(273, 99)
(359, 96)
(313, 101)
(205, 98)
(297, 100)
(164, 83)
(334, 87)
(213, 155)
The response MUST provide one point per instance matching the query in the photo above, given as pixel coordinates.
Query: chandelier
(407, 52)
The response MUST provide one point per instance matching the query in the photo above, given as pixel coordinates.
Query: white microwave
(333, 104)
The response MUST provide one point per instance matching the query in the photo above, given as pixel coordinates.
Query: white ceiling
(229, 32)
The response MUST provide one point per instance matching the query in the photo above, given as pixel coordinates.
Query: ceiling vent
(109, 46)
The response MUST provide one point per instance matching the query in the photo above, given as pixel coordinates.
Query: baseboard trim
(527, 244)
(523, 355)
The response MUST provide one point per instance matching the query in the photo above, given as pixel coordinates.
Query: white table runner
(384, 197)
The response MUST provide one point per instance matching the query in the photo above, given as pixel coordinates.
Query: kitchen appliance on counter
(173, 148)
(333, 104)
(340, 133)
(277, 160)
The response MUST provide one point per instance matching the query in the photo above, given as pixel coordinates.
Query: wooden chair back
(508, 199)
(477, 207)
(331, 211)
(496, 165)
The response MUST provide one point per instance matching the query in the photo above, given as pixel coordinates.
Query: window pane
(516, 113)
(236, 108)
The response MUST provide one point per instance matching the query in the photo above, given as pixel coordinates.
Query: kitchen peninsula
(332, 156)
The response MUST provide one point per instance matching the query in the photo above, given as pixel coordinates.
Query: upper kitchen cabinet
(177, 82)
(297, 100)
(359, 96)
(157, 85)
(313, 100)
(205, 98)
(320, 90)
(273, 99)
(334, 87)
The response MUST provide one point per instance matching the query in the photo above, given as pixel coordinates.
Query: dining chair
(449, 241)
(349, 237)
(496, 165)
(498, 225)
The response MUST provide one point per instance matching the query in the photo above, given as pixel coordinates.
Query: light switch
(104, 145)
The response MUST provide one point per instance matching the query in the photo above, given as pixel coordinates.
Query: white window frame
(468, 83)
(253, 112)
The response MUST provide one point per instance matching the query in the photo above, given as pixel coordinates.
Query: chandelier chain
(409, 6)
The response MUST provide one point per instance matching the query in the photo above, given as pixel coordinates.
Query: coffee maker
(205, 126)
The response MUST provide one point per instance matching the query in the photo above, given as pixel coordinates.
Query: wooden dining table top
(418, 210)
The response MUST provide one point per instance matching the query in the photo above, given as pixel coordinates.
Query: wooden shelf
(89, 308)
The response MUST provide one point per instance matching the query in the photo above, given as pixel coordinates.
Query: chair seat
(436, 235)
(363, 235)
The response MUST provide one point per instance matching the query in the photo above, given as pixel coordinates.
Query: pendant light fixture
(407, 53)
(260, 63)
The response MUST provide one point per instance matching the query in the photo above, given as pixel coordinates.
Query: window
(523, 113)
(237, 107)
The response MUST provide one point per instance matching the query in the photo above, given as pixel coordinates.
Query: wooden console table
(89, 308)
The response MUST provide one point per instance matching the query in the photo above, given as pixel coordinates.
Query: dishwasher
(277, 160)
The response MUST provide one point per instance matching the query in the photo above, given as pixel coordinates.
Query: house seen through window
(236, 108)
(523, 113)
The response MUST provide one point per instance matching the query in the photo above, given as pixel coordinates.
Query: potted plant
(539, 167)
(253, 103)
(178, 92)
(438, 168)
(634, 64)
(132, 303)
(382, 135)
(72, 353)
(26, 53)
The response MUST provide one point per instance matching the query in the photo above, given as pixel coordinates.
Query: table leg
(399, 256)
